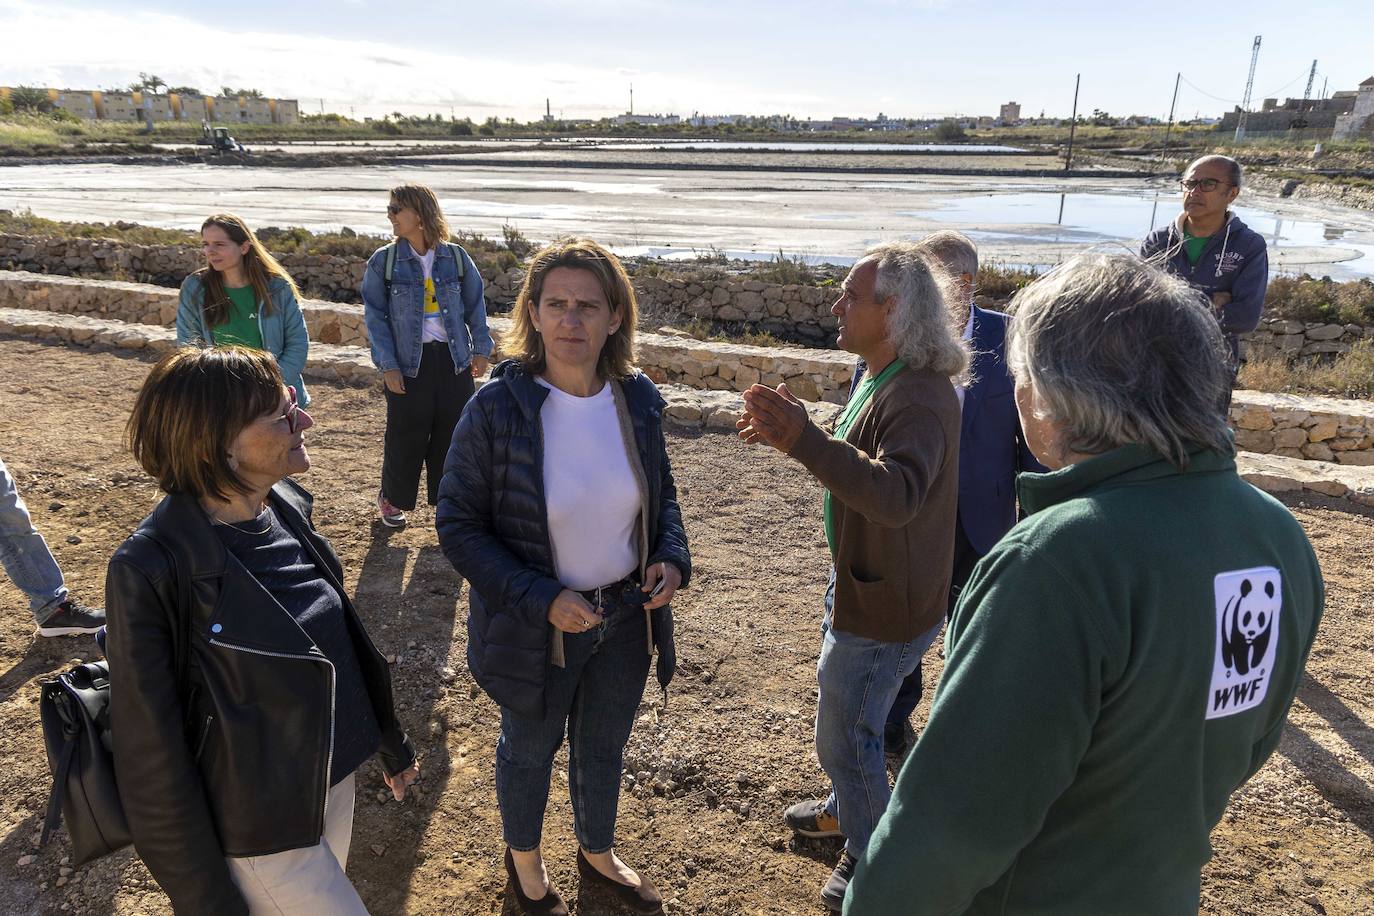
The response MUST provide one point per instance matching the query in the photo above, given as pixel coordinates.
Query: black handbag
(75, 711)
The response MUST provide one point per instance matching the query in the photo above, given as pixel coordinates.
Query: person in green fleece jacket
(1124, 659)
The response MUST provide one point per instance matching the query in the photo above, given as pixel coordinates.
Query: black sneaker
(898, 740)
(72, 619)
(810, 819)
(832, 895)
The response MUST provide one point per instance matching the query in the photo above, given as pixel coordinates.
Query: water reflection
(1095, 218)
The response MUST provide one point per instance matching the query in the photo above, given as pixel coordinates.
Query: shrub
(1348, 375)
(948, 131)
(1307, 299)
(1000, 282)
(516, 243)
(786, 271)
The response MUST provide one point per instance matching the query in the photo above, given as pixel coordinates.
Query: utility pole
(1170, 129)
(1249, 85)
(632, 98)
(1073, 122)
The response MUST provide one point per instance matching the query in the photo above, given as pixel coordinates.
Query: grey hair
(1234, 173)
(919, 326)
(1119, 352)
(955, 250)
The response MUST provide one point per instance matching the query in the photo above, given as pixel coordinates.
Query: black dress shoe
(551, 904)
(642, 899)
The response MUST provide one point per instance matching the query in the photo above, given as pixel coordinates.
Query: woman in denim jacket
(427, 323)
(243, 296)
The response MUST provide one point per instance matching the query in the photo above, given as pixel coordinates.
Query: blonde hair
(258, 265)
(617, 354)
(421, 199)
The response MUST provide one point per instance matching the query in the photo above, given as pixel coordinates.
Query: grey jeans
(309, 881)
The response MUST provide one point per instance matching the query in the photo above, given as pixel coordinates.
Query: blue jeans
(25, 554)
(594, 699)
(859, 678)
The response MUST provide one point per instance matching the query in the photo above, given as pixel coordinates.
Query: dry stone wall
(792, 312)
(1315, 428)
(329, 277)
(797, 313)
(1287, 426)
(812, 374)
(1290, 339)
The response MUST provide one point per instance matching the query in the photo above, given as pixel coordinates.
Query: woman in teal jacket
(243, 296)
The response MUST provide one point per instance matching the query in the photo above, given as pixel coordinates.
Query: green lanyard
(851, 412)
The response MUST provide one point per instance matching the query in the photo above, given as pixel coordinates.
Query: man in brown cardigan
(891, 473)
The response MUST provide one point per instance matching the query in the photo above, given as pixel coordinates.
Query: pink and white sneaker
(391, 516)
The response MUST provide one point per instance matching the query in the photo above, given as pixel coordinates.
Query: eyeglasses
(393, 209)
(1202, 184)
(292, 416)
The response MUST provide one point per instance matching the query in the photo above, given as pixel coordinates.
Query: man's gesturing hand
(774, 418)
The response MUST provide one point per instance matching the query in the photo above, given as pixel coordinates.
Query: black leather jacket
(232, 760)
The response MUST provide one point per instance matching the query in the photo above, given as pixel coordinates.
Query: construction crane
(1300, 122)
(1249, 86)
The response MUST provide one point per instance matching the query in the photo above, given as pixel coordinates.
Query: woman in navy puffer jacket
(558, 507)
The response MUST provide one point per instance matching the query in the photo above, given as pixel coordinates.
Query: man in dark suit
(992, 450)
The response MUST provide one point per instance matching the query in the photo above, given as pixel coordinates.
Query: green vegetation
(1307, 299)
(1000, 282)
(785, 271)
(294, 240)
(1348, 375)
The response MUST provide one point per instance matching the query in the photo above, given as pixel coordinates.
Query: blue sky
(804, 58)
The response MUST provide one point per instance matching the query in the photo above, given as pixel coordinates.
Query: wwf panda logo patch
(1248, 605)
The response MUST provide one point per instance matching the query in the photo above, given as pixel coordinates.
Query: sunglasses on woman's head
(393, 209)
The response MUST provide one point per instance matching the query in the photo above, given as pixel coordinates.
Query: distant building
(133, 106)
(645, 120)
(1295, 114)
(1009, 115)
(1360, 120)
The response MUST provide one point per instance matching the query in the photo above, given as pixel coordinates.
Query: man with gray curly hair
(1124, 658)
(891, 478)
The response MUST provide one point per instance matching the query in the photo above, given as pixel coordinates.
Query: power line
(1199, 89)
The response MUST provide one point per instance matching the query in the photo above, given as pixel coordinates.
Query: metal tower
(1249, 85)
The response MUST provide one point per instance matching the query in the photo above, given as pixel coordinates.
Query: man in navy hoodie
(1210, 247)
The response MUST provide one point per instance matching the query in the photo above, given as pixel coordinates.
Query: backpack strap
(59, 781)
(389, 269)
(458, 254)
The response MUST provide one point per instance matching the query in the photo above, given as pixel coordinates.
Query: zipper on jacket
(204, 735)
(329, 757)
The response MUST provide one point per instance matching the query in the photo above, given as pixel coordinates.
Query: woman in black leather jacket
(558, 507)
(245, 692)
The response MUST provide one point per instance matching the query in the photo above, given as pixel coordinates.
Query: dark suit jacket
(992, 449)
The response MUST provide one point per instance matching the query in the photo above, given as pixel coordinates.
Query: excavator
(219, 139)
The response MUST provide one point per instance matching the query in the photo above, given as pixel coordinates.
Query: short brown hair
(191, 408)
(422, 200)
(617, 354)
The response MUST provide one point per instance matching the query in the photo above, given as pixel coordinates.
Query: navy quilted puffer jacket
(493, 527)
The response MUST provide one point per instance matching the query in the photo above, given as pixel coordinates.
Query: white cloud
(92, 49)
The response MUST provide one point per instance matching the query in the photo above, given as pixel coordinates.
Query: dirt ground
(714, 769)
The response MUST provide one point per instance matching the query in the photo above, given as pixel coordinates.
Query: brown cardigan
(894, 485)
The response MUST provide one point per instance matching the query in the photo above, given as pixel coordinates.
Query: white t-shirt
(434, 319)
(590, 492)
